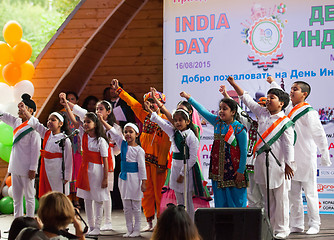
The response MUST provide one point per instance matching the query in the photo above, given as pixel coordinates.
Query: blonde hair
(55, 210)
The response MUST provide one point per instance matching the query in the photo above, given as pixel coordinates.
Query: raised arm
(68, 106)
(236, 87)
(161, 106)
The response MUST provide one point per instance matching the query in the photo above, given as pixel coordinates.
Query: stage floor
(326, 232)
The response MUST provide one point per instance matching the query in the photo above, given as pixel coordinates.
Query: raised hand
(185, 95)
(62, 97)
(230, 79)
(114, 84)
(223, 91)
(270, 79)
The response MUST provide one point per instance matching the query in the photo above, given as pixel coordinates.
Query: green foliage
(39, 22)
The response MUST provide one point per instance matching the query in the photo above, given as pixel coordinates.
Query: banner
(205, 41)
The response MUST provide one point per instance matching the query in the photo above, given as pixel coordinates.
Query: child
(132, 179)
(24, 158)
(156, 145)
(179, 133)
(102, 107)
(276, 129)
(305, 177)
(92, 179)
(52, 176)
(228, 156)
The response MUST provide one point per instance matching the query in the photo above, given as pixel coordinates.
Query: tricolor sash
(273, 133)
(22, 130)
(299, 110)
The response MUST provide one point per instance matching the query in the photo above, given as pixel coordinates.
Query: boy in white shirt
(276, 129)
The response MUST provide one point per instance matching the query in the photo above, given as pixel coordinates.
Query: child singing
(132, 179)
(52, 176)
(228, 155)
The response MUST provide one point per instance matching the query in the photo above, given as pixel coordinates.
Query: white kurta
(282, 148)
(53, 167)
(25, 153)
(131, 187)
(178, 165)
(95, 171)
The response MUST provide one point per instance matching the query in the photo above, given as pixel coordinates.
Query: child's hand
(104, 183)
(230, 79)
(100, 116)
(147, 107)
(62, 97)
(185, 95)
(114, 84)
(21, 106)
(223, 91)
(288, 172)
(180, 179)
(270, 79)
(239, 177)
(143, 186)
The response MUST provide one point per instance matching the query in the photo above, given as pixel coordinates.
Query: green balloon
(7, 205)
(24, 204)
(5, 152)
(6, 134)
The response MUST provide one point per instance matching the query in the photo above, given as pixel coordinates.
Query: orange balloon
(11, 73)
(27, 70)
(9, 181)
(5, 53)
(12, 32)
(1, 77)
(22, 52)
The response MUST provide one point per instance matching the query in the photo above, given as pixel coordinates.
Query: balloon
(24, 204)
(4, 191)
(9, 181)
(1, 77)
(5, 53)
(12, 32)
(6, 134)
(10, 191)
(11, 73)
(6, 93)
(6, 205)
(27, 70)
(21, 87)
(5, 152)
(22, 52)
(11, 108)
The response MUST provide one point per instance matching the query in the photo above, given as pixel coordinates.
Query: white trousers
(132, 209)
(107, 205)
(296, 204)
(190, 205)
(279, 207)
(91, 212)
(254, 195)
(23, 186)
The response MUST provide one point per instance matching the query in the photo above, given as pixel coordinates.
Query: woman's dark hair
(99, 131)
(111, 117)
(87, 100)
(74, 94)
(185, 117)
(233, 105)
(182, 226)
(18, 224)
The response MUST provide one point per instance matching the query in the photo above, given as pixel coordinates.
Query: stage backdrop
(205, 41)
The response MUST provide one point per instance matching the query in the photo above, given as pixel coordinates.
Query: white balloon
(6, 93)
(10, 191)
(5, 191)
(12, 108)
(21, 87)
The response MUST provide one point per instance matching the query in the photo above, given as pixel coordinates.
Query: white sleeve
(165, 126)
(141, 164)
(35, 124)
(103, 145)
(79, 111)
(274, 84)
(35, 142)
(252, 105)
(287, 147)
(193, 144)
(115, 136)
(8, 119)
(68, 160)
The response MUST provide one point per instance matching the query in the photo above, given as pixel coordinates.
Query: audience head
(175, 224)
(20, 223)
(90, 103)
(72, 97)
(113, 93)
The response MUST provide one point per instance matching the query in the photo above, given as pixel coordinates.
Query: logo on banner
(325, 188)
(264, 35)
(326, 205)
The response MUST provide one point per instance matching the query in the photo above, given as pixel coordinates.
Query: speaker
(233, 224)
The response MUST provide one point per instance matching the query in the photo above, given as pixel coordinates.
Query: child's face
(130, 135)
(273, 104)
(71, 98)
(180, 106)
(180, 123)
(21, 115)
(54, 124)
(225, 113)
(296, 94)
(100, 108)
(152, 105)
(88, 125)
